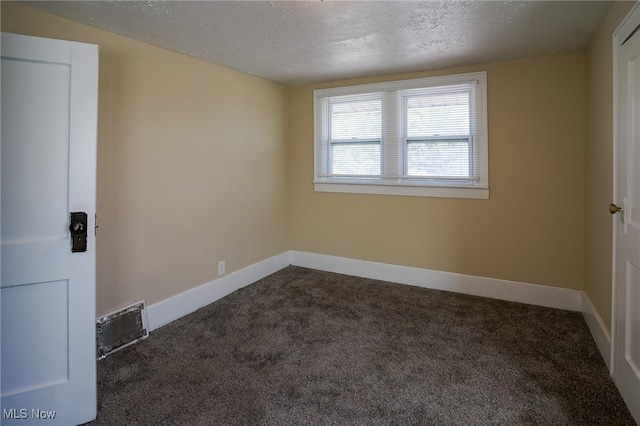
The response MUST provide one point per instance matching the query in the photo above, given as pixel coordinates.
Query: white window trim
(424, 188)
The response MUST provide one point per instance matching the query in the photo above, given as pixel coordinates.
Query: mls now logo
(14, 413)
(23, 413)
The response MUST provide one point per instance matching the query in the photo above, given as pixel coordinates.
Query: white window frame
(392, 181)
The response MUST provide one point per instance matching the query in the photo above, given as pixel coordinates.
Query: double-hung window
(422, 137)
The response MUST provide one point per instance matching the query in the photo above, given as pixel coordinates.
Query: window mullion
(322, 130)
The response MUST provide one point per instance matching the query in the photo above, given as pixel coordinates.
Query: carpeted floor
(303, 347)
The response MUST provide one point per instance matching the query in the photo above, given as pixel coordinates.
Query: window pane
(361, 119)
(444, 114)
(438, 158)
(355, 159)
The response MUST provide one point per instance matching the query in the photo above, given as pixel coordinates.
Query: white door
(48, 158)
(626, 294)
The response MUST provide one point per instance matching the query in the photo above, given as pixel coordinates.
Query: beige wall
(599, 162)
(191, 164)
(531, 229)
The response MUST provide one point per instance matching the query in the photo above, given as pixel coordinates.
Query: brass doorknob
(613, 209)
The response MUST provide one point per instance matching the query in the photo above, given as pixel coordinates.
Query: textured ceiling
(310, 41)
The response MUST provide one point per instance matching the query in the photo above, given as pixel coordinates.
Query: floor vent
(120, 329)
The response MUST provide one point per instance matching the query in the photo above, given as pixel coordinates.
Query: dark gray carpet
(303, 347)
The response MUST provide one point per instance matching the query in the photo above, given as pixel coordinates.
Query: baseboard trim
(173, 308)
(598, 329)
(534, 294)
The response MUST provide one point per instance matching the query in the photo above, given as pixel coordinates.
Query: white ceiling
(311, 41)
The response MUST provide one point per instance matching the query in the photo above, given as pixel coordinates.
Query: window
(423, 137)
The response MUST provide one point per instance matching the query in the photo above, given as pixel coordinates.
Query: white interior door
(626, 295)
(48, 158)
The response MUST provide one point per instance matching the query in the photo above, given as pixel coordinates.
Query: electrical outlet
(221, 267)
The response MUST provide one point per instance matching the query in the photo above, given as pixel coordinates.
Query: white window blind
(355, 141)
(440, 132)
(411, 133)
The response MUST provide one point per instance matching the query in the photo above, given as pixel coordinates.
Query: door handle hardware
(78, 229)
(613, 209)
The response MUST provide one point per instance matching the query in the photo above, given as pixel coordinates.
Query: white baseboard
(598, 329)
(175, 307)
(534, 294)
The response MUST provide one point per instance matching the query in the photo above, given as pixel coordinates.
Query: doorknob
(613, 209)
(78, 229)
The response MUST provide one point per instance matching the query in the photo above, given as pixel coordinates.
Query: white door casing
(626, 230)
(48, 156)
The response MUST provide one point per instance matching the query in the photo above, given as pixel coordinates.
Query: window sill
(403, 190)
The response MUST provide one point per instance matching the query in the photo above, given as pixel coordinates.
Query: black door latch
(78, 229)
